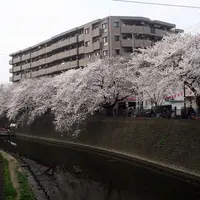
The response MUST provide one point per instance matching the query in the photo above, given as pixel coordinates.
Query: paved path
(1, 181)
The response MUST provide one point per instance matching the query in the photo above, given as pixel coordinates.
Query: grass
(9, 190)
(25, 190)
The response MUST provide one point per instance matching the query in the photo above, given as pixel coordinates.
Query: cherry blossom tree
(168, 65)
(73, 96)
(85, 91)
(5, 95)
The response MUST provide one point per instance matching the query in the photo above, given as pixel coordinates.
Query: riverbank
(15, 183)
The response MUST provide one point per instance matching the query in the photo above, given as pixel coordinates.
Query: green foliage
(25, 191)
(9, 190)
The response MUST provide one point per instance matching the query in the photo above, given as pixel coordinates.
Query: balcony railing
(81, 50)
(39, 62)
(41, 72)
(10, 62)
(51, 69)
(34, 74)
(88, 49)
(17, 77)
(73, 40)
(25, 57)
(26, 66)
(73, 52)
(16, 69)
(135, 29)
(63, 43)
(16, 60)
(127, 43)
(62, 55)
(81, 37)
(11, 70)
(96, 32)
(26, 75)
(83, 62)
(160, 33)
(96, 45)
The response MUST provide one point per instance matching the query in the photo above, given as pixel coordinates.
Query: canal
(99, 176)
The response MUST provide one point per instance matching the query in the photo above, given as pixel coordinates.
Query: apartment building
(110, 36)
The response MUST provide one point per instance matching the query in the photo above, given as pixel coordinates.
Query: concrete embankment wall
(173, 143)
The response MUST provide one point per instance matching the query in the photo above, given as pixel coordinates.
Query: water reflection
(85, 175)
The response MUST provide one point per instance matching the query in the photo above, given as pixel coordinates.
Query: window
(105, 53)
(116, 24)
(95, 39)
(104, 27)
(87, 30)
(97, 53)
(105, 39)
(116, 37)
(117, 51)
(87, 43)
(95, 26)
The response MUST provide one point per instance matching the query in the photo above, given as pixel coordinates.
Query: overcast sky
(27, 22)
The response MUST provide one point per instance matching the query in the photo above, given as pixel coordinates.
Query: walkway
(1, 181)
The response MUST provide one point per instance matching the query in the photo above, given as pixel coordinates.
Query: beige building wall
(110, 36)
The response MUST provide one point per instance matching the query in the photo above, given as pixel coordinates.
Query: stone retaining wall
(173, 143)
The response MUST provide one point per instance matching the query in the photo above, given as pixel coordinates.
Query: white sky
(27, 22)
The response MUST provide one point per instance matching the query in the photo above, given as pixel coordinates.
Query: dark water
(99, 177)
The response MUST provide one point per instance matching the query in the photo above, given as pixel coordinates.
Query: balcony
(62, 55)
(10, 62)
(25, 57)
(54, 57)
(81, 50)
(73, 52)
(26, 66)
(127, 43)
(96, 45)
(73, 40)
(34, 74)
(73, 64)
(11, 70)
(16, 69)
(17, 77)
(54, 46)
(96, 32)
(48, 49)
(16, 60)
(147, 43)
(41, 72)
(38, 52)
(64, 66)
(136, 29)
(83, 62)
(26, 75)
(88, 49)
(11, 79)
(139, 43)
(160, 33)
(63, 43)
(39, 62)
(35, 63)
(51, 69)
(81, 37)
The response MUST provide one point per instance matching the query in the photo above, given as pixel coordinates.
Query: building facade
(110, 36)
